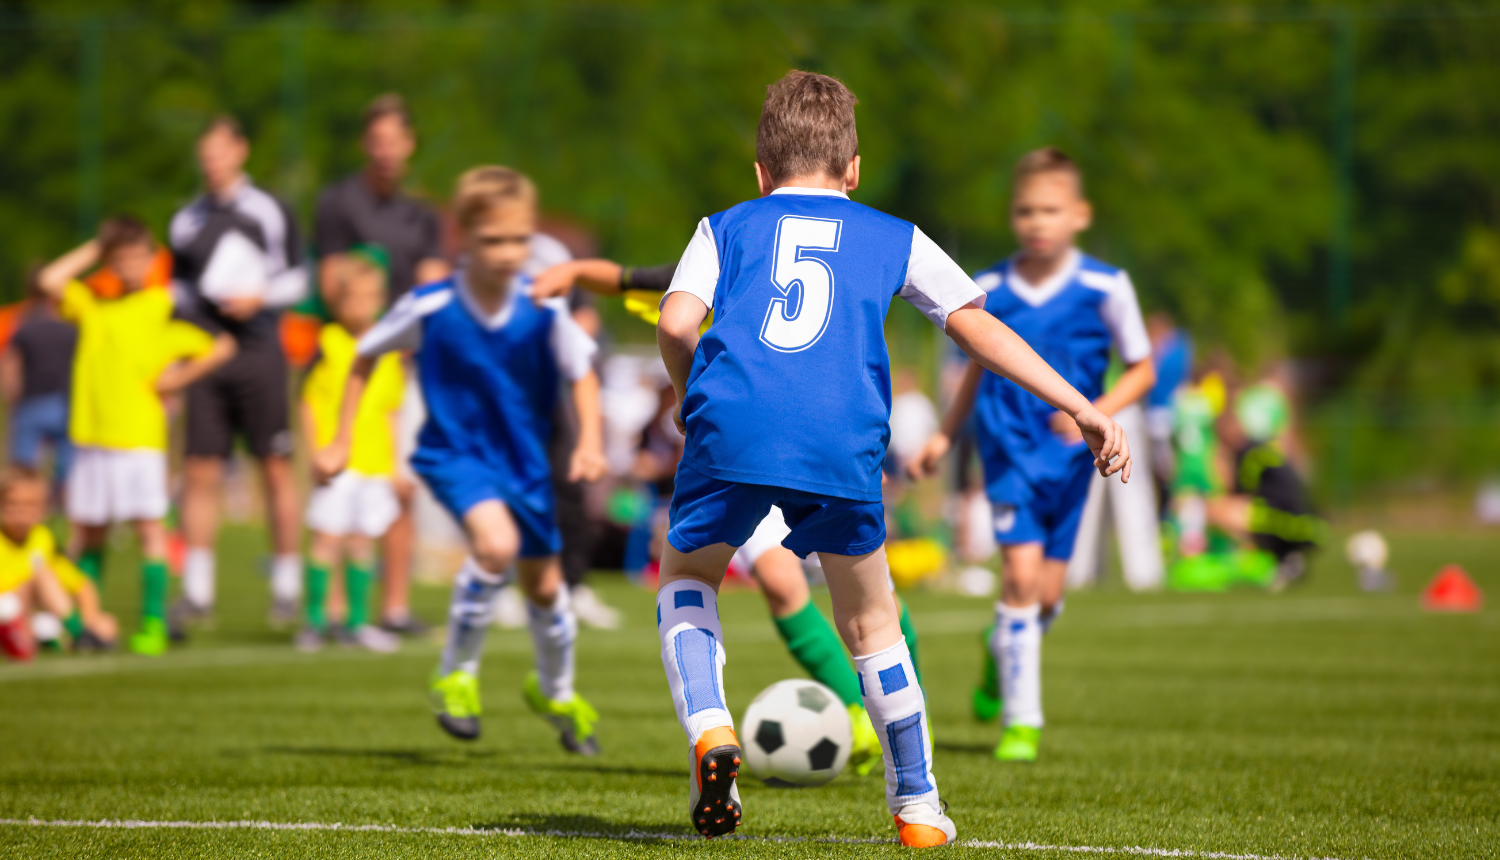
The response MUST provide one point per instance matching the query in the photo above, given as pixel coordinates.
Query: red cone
(1452, 591)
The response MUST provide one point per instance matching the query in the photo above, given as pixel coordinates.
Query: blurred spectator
(1172, 350)
(369, 208)
(238, 262)
(37, 372)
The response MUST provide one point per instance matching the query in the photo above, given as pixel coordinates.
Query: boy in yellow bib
(350, 512)
(131, 354)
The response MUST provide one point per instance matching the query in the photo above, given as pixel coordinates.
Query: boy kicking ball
(785, 401)
(490, 363)
(1037, 469)
(131, 354)
(353, 510)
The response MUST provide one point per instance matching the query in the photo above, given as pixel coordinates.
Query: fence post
(90, 104)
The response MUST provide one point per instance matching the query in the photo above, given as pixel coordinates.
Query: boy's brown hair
(1048, 159)
(121, 231)
(12, 477)
(226, 123)
(387, 104)
(806, 127)
(485, 188)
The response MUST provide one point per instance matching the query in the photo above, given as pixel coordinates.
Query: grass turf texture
(1320, 723)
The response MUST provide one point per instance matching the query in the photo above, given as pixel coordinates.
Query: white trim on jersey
(935, 285)
(1037, 295)
(400, 330)
(698, 272)
(1122, 313)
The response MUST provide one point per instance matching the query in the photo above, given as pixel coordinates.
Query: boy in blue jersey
(1071, 309)
(491, 362)
(785, 401)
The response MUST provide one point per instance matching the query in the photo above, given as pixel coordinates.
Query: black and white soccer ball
(796, 733)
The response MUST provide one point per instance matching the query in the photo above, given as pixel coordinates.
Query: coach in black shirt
(369, 208)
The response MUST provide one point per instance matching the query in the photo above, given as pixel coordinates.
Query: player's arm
(10, 374)
(56, 275)
(682, 314)
(331, 459)
(926, 462)
(600, 277)
(182, 374)
(587, 462)
(992, 344)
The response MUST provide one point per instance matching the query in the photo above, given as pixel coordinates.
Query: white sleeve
(286, 288)
(1122, 313)
(698, 273)
(572, 347)
(935, 285)
(400, 330)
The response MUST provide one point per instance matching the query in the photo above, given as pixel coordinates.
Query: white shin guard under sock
(898, 710)
(286, 577)
(1017, 647)
(469, 612)
(692, 652)
(553, 630)
(198, 577)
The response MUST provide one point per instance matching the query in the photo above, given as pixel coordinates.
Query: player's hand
(927, 460)
(329, 461)
(1066, 428)
(556, 281)
(1107, 440)
(170, 381)
(241, 307)
(587, 464)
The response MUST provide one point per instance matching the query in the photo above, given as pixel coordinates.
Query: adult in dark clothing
(37, 371)
(237, 262)
(369, 208)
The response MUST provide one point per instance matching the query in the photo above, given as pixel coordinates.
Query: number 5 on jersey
(786, 331)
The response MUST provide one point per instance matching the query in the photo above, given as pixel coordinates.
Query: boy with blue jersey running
(785, 401)
(1071, 309)
(491, 362)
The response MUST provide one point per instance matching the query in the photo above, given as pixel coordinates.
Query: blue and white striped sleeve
(935, 285)
(1122, 314)
(698, 272)
(400, 330)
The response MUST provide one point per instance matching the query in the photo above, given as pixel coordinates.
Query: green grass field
(1320, 723)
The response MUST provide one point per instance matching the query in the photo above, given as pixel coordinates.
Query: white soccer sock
(692, 652)
(469, 611)
(898, 709)
(1047, 619)
(198, 577)
(286, 577)
(553, 629)
(1017, 647)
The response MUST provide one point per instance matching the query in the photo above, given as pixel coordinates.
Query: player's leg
(399, 547)
(359, 583)
(286, 564)
(1017, 647)
(87, 510)
(323, 558)
(868, 619)
(554, 630)
(151, 639)
(494, 542)
(208, 444)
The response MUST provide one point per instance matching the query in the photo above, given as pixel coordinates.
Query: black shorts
(247, 396)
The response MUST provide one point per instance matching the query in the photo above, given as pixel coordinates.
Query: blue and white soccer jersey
(789, 397)
(1037, 483)
(490, 383)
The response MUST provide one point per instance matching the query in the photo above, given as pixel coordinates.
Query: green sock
(357, 579)
(317, 595)
(91, 562)
(910, 632)
(74, 625)
(816, 646)
(154, 588)
(991, 682)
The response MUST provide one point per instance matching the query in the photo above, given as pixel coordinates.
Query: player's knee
(495, 553)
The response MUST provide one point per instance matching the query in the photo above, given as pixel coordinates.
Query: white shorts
(112, 485)
(353, 504)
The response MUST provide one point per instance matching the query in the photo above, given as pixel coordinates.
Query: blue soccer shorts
(706, 511)
(1050, 517)
(460, 483)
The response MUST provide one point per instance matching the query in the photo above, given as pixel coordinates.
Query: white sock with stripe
(898, 709)
(198, 577)
(1017, 647)
(692, 652)
(286, 577)
(553, 630)
(470, 610)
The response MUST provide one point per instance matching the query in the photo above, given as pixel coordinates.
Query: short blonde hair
(1048, 159)
(479, 190)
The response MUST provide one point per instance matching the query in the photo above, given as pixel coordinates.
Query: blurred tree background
(1310, 180)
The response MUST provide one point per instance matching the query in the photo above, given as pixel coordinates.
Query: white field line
(629, 836)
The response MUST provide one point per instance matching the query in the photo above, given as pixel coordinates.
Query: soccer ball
(797, 734)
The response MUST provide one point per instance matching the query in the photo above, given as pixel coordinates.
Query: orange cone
(1452, 591)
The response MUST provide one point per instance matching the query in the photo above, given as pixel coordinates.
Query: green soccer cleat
(455, 700)
(987, 701)
(864, 752)
(1018, 743)
(986, 705)
(574, 719)
(151, 640)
